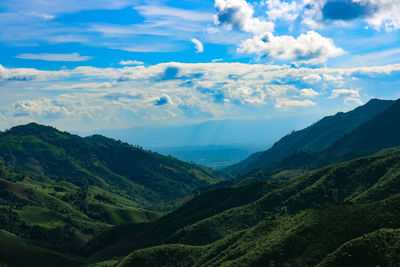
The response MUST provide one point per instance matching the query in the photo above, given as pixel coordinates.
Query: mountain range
(315, 138)
(55, 185)
(328, 195)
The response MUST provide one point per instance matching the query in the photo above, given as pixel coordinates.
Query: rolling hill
(59, 190)
(340, 208)
(302, 222)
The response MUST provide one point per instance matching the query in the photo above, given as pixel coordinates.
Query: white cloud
(286, 103)
(31, 25)
(378, 14)
(61, 6)
(387, 15)
(165, 11)
(308, 93)
(309, 47)
(353, 100)
(332, 78)
(131, 62)
(282, 10)
(240, 15)
(346, 92)
(312, 78)
(198, 45)
(40, 108)
(74, 57)
(143, 95)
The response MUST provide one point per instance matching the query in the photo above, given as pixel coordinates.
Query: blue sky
(89, 65)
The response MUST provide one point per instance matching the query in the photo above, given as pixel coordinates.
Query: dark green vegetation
(318, 218)
(318, 137)
(333, 203)
(17, 252)
(58, 190)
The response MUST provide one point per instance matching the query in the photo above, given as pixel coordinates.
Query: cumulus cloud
(383, 14)
(74, 57)
(379, 14)
(308, 93)
(239, 14)
(332, 78)
(286, 103)
(346, 92)
(198, 45)
(131, 62)
(308, 47)
(282, 10)
(312, 78)
(44, 107)
(386, 14)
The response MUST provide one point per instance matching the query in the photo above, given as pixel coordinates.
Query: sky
(91, 65)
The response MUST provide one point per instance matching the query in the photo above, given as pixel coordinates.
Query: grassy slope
(59, 190)
(314, 138)
(378, 248)
(151, 180)
(122, 239)
(15, 251)
(303, 239)
(260, 230)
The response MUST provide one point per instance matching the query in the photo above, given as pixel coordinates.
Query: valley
(72, 201)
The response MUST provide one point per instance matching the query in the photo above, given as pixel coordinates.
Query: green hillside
(299, 222)
(58, 190)
(317, 137)
(16, 252)
(304, 239)
(69, 197)
(151, 180)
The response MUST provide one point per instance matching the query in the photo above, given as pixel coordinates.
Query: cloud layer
(181, 93)
(308, 47)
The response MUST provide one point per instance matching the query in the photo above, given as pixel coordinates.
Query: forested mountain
(59, 190)
(310, 220)
(72, 201)
(147, 178)
(382, 131)
(314, 138)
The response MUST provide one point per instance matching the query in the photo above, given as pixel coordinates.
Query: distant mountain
(314, 138)
(60, 190)
(261, 133)
(311, 220)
